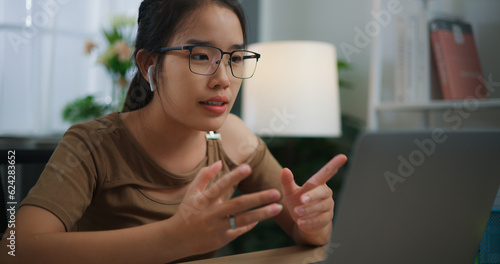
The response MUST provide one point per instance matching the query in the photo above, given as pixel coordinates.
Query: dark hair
(158, 22)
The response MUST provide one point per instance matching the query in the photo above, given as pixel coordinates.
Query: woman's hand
(311, 205)
(205, 219)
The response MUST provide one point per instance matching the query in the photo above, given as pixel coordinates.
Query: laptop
(416, 197)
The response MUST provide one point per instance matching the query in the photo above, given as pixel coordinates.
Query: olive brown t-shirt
(95, 179)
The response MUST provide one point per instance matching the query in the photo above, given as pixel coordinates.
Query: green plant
(341, 66)
(116, 57)
(83, 109)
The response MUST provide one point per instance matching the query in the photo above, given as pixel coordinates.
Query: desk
(29, 142)
(287, 255)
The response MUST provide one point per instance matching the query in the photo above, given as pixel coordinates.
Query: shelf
(439, 105)
(383, 113)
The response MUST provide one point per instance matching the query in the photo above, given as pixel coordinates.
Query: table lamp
(294, 91)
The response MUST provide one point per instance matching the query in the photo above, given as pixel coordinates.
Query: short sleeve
(265, 171)
(66, 186)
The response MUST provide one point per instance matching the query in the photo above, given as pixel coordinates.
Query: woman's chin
(212, 124)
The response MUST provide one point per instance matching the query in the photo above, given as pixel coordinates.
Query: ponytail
(138, 95)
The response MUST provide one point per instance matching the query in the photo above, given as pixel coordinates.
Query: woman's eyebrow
(208, 43)
(199, 42)
(238, 46)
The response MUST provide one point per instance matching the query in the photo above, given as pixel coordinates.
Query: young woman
(151, 184)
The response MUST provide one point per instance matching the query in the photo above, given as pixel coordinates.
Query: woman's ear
(144, 60)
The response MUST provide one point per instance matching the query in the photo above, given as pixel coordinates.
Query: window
(42, 64)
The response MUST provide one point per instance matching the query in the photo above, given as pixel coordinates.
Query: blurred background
(52, 57)
(43, 65)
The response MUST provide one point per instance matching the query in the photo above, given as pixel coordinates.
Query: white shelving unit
(431, 113)
(382, 82)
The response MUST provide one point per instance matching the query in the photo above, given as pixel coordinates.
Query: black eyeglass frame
(191, 47)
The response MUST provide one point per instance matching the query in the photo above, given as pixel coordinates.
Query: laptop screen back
(416, 197)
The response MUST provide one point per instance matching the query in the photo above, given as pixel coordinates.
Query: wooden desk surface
(287, 255)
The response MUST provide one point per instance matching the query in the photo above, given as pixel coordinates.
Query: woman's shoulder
(102, 126)
(238, 141)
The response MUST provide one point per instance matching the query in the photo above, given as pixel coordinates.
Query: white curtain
(42, 63)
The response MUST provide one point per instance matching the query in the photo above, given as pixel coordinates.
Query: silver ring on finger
(232, 222)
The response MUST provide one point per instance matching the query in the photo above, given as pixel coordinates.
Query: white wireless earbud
(150, 76)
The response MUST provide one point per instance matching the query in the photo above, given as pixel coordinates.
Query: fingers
(316, 209)
(248, 201)
(254, 216)
(327, 172)
(228, 181)
(287, 182)
(315, 222)
(205, 175)
(320, 206)
(240, 207)
(316, 194)
(199, 197)
(234, 233)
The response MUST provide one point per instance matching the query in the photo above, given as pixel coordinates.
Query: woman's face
(197, 101)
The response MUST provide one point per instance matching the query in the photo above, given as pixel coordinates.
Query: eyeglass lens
(206, 61)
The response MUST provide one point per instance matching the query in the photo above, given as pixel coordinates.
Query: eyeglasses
(205, 60)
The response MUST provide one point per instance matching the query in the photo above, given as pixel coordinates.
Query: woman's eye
(199, 57)
(236, 59)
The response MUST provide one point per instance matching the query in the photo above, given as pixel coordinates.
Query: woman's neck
(172, 145)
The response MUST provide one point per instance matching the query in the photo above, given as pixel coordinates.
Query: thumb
(287, 182)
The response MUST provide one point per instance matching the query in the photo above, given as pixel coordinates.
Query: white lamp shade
(294, 91)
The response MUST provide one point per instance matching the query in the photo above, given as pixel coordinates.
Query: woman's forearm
(152, 243)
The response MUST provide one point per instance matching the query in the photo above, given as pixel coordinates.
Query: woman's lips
(217, 105)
